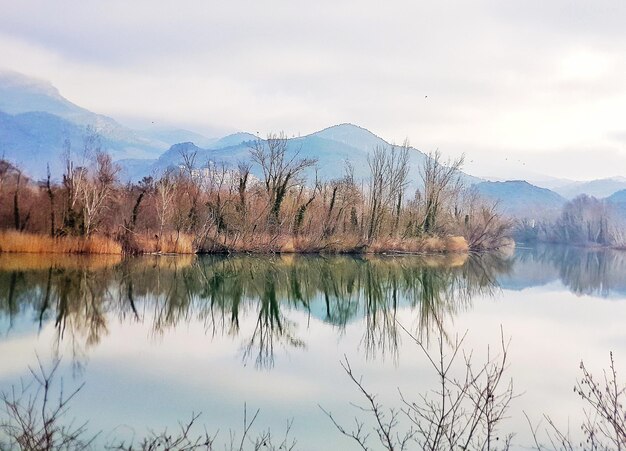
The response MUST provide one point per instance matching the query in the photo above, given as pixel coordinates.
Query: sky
(522, 88)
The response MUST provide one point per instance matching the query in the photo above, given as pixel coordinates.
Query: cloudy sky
(521, 86)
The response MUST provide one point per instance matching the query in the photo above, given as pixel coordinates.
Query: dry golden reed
(179, 243)
(13, 241)
(169, 243)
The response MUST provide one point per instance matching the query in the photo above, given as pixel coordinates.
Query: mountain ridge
(522, 199)
(36, 120)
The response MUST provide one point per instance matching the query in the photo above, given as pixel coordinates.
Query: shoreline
(13, 242)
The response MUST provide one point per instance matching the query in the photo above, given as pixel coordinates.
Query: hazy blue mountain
(331, 155)
(597, 188)
(171, 136)
(21, 96)
(353, 136)
(521, 199)
(332, 147)
(134, 169)
(618, 200)
(617, 197)
(32, 140)
(174, 154)
(532, 177)
(35, 139)
(39, 120)
(235, 139)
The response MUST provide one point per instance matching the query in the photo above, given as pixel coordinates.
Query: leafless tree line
(213, 207)
(584, 220)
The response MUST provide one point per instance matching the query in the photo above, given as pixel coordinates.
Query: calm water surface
(157, 338)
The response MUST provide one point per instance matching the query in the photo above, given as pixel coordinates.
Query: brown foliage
(214, 208)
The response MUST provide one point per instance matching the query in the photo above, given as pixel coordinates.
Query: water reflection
(82, 296)
(267, 302)
(594, 272)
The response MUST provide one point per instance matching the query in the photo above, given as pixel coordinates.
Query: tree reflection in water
(584, 271)
(81, 296)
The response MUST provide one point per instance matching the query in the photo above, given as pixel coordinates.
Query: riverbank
(21, 242)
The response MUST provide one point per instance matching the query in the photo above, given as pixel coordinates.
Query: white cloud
(530, 78)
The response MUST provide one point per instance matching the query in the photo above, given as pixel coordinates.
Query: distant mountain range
(618, 200)
(332, 147)
(521, 199)
(598, 188)
(36, 122)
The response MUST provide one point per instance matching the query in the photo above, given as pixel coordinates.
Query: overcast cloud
(518, 86)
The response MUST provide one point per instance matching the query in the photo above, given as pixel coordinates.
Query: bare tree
(192, 186)
(441, 181)
(165, 190)
(19, 223)
(479, 221)
(280, 170)
(35, 420)
(184, 440)
(304, 205)
(50, 193)
(73, 179)
(243, 175)
(389, 170)
(604, 426)
(462, 413)
(218, 190)
(145, 186)
(98, 188)
(5, 171)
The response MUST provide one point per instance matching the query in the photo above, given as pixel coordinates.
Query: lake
(156, 339)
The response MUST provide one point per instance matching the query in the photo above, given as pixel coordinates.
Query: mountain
(331, 155)
(231, 140)
(35, 139)
(332, 147)
(617, 197)
(36, 121)
(170, 136)
(598, 188)
(351, 135)
(618, 200)
(21, 94)
(520, 199)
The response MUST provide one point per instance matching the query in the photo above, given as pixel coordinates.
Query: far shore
(22, 242)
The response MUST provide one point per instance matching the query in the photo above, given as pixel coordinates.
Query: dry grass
(456, 244)
(170, 243)
(13, 242)
(173, 243)
(334, 245)
(265, 243)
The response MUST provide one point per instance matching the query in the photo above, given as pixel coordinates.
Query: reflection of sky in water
(136, 376)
